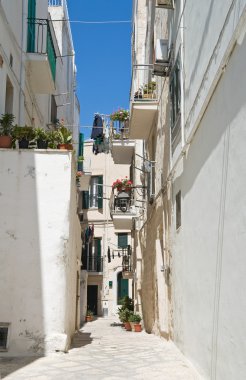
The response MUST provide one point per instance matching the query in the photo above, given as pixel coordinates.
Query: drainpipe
(182, 73)
(21, 115)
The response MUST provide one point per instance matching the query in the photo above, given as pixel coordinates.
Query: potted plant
(124, 316)
(136, 319)
(122, 184)
(120, 115)
(89, 316)
(42, 138)
(6, 129)
(54, 139)
(66, 138)
(148, 90)
(23, 135)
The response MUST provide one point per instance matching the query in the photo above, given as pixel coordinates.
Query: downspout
(21, 117)
(182, 73)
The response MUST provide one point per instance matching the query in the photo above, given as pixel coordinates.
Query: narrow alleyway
(104, 350)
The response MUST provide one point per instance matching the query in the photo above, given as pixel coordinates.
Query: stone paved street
(105, 352)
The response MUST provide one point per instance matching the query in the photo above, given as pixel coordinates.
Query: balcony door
(31, 26)
(122, 287)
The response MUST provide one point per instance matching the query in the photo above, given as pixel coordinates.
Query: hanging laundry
(97, 129)
(109, 257)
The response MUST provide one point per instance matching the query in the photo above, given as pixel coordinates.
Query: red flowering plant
(122, 184)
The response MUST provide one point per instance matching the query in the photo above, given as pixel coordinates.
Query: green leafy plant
(26, 132)
(135, 318)
(6, 124)
(149, 88)
(120, 115)
(80, 158)
(65, 135)
(124, 315)
(89, 313)
(54, 138)
(41, 134)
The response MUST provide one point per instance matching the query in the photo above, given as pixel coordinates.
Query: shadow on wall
(20, 259)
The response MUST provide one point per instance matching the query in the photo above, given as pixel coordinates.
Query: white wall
(40, 249)
(103, 164)
(209, 249)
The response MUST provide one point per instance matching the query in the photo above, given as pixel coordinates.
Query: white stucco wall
(208, 250)
(103, 164)
(40, 249)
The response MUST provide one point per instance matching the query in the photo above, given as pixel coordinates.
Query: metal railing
(127, 259)
(93, 263)
(40, 41)
(122, 202)
(119, 130)
(144, 85)
(55, 3)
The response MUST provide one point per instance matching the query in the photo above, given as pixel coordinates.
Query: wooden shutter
(31, 26)
(100, 191)
(122, 240)
(85, 197)
(81, 150)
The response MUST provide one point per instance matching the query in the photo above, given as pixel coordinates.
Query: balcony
(127, 271)
(41, 56)
(122, 210)
(84, 180)
(93, 263)
(143, 104)
(122, 148)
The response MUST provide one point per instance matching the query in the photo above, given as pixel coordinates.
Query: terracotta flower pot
(65, 146)
(5, 141)
(138, 327)
(128, 326)
(89, 318)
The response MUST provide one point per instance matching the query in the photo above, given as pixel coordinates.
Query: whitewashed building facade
(191, 239)
(40, 232)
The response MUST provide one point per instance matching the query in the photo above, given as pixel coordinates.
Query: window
(91, 256)
(53, 110)
(122, 240)
(4, 328)
(178, 210)
(94, 197)
(175, 92)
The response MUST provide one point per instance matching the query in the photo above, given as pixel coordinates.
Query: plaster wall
(40, 250)
(208, 249)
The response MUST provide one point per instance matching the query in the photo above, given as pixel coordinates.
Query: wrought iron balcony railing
(127, 259)
(119, 130)
(92, 263)
(40, 41)
(144, 86)
(55, 3)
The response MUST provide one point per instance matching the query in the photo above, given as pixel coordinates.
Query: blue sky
(103, 56)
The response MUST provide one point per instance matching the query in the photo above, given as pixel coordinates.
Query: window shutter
(31, 26)
(122, 240)
(85, 197)
(100, 191)
(98, 248)
(81, 150)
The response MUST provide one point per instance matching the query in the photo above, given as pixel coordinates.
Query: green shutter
(122, 240)
(85, 196)
(100, 191)
(31, 26)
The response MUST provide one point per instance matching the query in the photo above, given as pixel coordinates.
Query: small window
(122, 240)
(178, 210)
(4, 328)
(94, 197)
(175, 92)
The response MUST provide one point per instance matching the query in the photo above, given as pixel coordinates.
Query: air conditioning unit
(168, 4)
(161, 65)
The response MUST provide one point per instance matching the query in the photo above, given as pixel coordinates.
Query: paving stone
(111, 353)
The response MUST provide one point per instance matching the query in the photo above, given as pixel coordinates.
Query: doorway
(92, 298)
(122, 287)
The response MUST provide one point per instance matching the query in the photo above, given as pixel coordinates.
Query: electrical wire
(94, 22)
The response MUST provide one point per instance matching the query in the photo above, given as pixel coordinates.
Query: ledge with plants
(122, 185)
